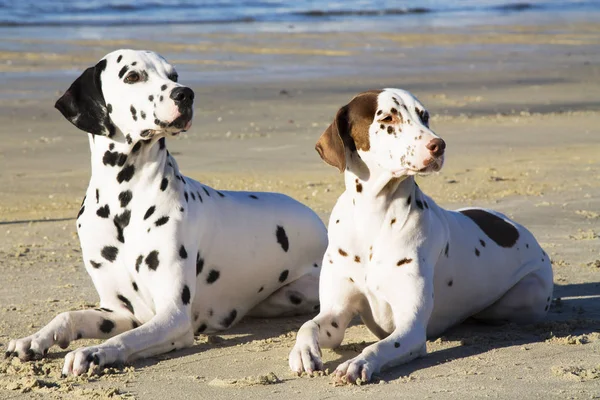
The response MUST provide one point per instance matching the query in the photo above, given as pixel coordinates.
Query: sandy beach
(519, 109)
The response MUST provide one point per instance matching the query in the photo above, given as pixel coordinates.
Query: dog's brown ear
(330, 145)
(83, 103)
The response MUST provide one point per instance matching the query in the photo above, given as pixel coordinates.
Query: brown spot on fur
(393, 221)
(356, 259)
(403, 261)
(342, 252)
(390, 129)
(500, 231)
(358, 186)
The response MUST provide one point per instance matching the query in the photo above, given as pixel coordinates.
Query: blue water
(17, 13)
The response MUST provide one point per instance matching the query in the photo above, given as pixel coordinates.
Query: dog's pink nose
(436, 147)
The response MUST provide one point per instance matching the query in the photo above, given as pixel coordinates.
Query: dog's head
(135, 92)
(388, 129)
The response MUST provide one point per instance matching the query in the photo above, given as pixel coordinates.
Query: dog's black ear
(83, 103)
(330, 145)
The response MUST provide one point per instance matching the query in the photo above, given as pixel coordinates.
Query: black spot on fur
(149, 212)
(328, 334)
(228, 320)
(163, 88)
(161, 221)
(409, 199)
(253, 197)
(295, 299)
(133, 112)
(152, 260)
(477, 252)
(113, 158)
(95, 264)
(97, 196)
(199, 264)
(316, 265)
(135, 286)
(182, 252)
(119, 59)
(396, 344)
(104, 309)
(213, 275)
(109, 253)
(107, 326)
(283, 276)
(261, 289)
(334, 324)
(136, 147)
(220, 194)
(143, 115)
(185, 295)
(134, 324)
(125, 197)
(282, 238)
(126, 174)
(450, 282)
(151, 98)
(123, 70)
(81, 210)
(185, 194)
(163, 184)
(390, 129)
(201, 329)
(482, 242)
(199, 197)
(125, 302)
(138, 262)
(161, 143)
(121, 221)
(206, 191)
(497, 229)
(419, 204)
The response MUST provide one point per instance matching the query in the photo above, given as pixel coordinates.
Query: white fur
(387, 259)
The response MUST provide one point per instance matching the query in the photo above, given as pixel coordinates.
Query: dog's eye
(132, 77)
(173, 77)
(387, 119)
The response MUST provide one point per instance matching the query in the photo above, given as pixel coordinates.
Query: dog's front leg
(101, 323)
(340, 301)
(166, 326)
(409, 292)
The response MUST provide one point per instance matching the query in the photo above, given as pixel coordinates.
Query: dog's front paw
(306, 354)
(86, 359)
(33, 347)
(354, 369)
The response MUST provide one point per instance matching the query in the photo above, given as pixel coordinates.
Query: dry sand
(517, 106)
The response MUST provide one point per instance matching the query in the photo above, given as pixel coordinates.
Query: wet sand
(517, 105)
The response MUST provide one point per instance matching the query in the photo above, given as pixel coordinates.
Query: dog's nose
(436, 147)
(182, 96)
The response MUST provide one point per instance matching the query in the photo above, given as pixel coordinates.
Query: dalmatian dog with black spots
(409, 268)
(169, 256)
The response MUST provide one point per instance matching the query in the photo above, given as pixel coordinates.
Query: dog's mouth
(433, 164)
(182, 123)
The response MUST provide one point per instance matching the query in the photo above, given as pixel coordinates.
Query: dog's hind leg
(296, 298)
(526, 302)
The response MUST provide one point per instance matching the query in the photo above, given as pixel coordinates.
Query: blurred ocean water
(18, 13)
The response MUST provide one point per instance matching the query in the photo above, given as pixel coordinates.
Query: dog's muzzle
(184, 100)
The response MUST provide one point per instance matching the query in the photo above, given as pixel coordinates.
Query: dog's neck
(121, 162)
(374, 191)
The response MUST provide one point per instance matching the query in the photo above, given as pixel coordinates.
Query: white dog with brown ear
(409, 268)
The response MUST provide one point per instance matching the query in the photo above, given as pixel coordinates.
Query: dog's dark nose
(182, 96)
(436, 147)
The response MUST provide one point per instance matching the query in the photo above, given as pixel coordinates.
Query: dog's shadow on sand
(575, 310)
